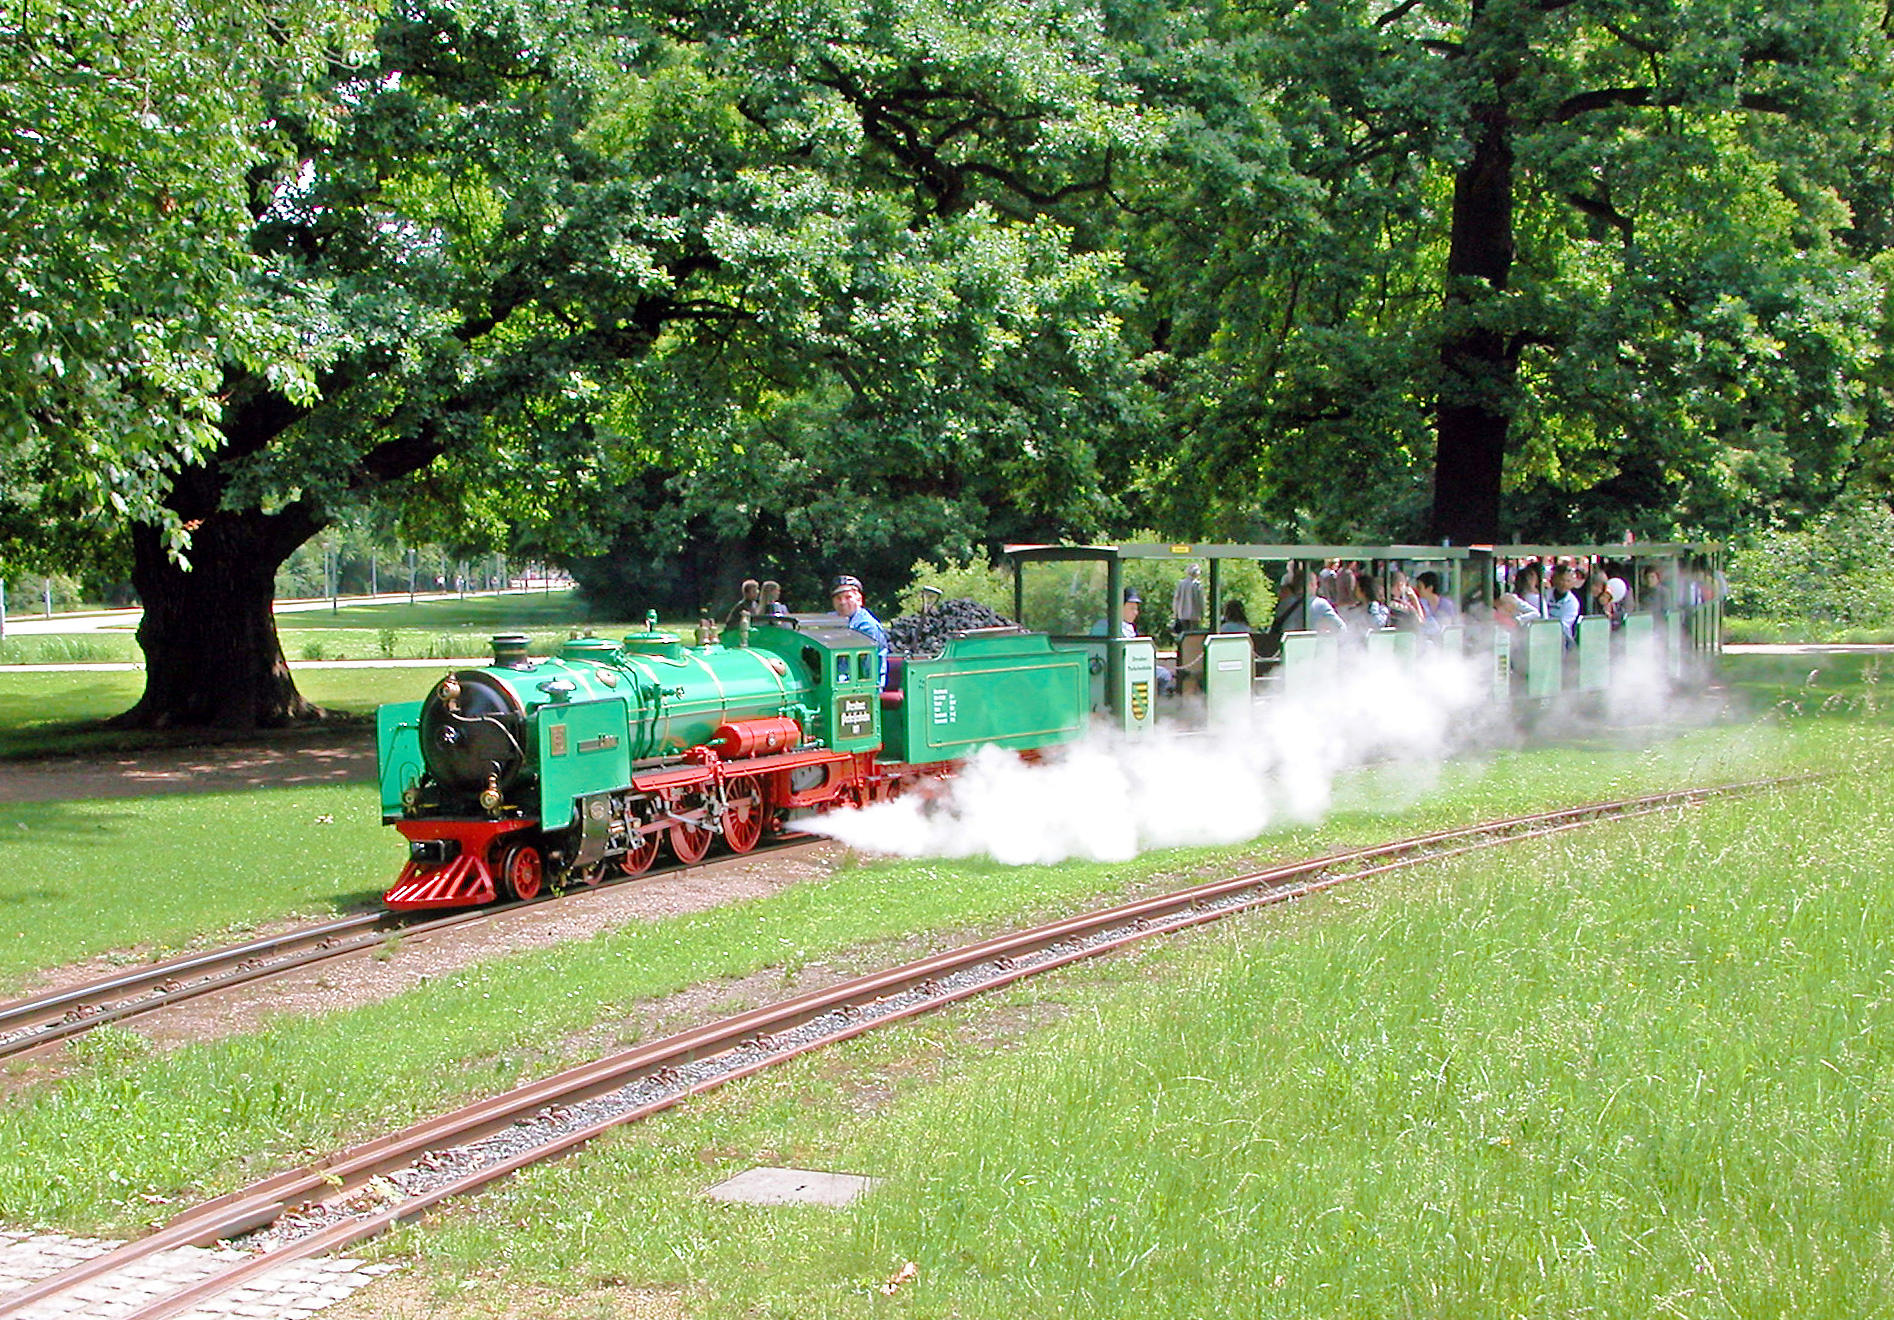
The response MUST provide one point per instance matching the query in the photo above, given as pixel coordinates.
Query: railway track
(357, 1193)
(41, 1021)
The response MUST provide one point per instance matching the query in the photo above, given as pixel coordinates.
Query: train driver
(845, 593)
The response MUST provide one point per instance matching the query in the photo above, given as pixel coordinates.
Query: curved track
(331, 1204)
(39, 1021)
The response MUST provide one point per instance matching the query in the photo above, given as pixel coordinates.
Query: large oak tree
(1589, 258)
(507, 251)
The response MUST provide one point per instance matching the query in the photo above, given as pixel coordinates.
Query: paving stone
(291, 1292)
(768, 1186)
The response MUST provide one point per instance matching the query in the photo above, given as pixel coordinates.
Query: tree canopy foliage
(690, 288)
(1622, 243)
(126, 134)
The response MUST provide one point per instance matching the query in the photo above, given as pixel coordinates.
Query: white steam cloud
(1105, 799)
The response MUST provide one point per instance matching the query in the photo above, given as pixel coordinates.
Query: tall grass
(1643, 1071)
(104, 647)
(1648, 1073)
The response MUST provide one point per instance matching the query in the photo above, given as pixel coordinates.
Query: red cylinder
(756, 737)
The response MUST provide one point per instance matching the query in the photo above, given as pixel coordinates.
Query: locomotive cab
(841, 670)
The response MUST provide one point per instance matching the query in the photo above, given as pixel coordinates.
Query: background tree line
(674, 294)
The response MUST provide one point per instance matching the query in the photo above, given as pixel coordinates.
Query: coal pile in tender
(922, 635)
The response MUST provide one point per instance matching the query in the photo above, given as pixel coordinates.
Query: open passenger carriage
(1074, 594)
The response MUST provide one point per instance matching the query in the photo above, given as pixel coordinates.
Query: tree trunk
(212, 657)
(1479, 366)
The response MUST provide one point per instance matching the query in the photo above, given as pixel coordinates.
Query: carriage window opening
(841, 667)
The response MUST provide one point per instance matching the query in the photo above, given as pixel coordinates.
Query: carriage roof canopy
(1206, 550)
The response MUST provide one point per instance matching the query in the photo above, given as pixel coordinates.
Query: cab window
(841, 666)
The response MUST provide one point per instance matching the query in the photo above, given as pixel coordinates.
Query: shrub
(1832, 573)
(992, 587)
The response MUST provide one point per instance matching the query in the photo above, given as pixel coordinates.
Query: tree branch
(1606, 98)
(1598, 208)
(1397, 13)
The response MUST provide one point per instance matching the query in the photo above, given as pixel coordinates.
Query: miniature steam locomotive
(531, 771)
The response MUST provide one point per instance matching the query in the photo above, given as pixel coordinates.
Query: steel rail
(54, 1003)
(39, 1021)
(337, 1176)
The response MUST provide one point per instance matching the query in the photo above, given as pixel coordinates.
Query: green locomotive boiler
(574, 766)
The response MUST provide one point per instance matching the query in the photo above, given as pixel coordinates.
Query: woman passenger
(1365, 613)
(1528, 587)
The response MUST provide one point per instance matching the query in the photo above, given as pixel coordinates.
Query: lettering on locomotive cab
(854, 717)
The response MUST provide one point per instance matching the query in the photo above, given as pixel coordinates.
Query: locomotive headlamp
(490, 798)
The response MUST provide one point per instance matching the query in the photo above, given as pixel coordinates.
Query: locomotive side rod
(856, 1006)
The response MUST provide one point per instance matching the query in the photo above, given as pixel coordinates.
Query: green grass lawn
(1801, 630)
(1799, 685)
(84, 1153)
(1561, 1007)
(425, 630)
(1644, 1070)
(54, 714)
(140, 878)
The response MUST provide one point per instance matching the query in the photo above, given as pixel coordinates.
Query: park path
(293, 758)
(27, 624)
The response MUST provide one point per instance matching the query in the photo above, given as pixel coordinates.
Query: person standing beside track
(746, 604)
(1187, 602)
(770, 604)
(845, 593)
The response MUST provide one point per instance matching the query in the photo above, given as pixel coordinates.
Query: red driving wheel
(637, 859)
(522, 872)
(743, 814)
(689, 841)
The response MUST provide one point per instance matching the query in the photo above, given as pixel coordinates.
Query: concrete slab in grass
(768, 1186)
